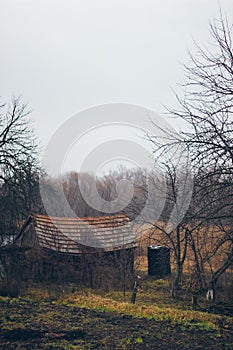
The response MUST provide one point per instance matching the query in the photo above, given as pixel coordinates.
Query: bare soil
(32, 325)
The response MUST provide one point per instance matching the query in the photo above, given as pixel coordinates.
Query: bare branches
(17, 142)
(208, 105)
(206, 108)
(19, 171)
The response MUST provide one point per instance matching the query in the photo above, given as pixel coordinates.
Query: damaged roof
(73, 235)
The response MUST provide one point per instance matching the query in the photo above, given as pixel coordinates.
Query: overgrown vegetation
(77, 318)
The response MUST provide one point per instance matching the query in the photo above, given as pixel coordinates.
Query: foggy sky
(66, 56)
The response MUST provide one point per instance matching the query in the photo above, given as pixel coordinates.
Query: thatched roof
(72, 235)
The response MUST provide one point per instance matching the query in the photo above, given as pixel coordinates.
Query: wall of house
(95, 270)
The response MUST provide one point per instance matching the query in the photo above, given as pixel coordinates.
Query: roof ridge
(34, 215)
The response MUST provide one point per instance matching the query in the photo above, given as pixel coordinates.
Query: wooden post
(194, 302)
(134, 294)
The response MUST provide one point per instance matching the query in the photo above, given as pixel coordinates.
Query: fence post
(135, 289)
(194, 302)
(134, 294)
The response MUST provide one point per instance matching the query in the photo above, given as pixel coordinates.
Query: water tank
(158, 261)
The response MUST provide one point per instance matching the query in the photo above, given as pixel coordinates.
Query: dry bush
(9, 288)
(211, 253)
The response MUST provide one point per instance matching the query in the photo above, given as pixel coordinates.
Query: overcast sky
(66, 56)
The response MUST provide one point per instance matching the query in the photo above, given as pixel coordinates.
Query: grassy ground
(49, 318)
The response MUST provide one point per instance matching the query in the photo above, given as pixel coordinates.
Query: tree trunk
(2, 272)
(179, 271)
(219, 272)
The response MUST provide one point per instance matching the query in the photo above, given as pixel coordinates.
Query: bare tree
(17, 141)
(71, 190)
(19, 169)
(207, 112)
(173, 229)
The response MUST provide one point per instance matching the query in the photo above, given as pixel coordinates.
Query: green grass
(60, 321)
(153, 302)
(145, 307)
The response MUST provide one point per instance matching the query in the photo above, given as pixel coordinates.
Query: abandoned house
(86, 250)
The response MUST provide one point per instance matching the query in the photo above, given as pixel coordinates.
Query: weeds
(86, 320)
(146, 307)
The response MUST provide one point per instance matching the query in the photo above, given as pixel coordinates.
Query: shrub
(9, 288)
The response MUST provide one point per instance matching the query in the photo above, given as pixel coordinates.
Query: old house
(89, 250)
